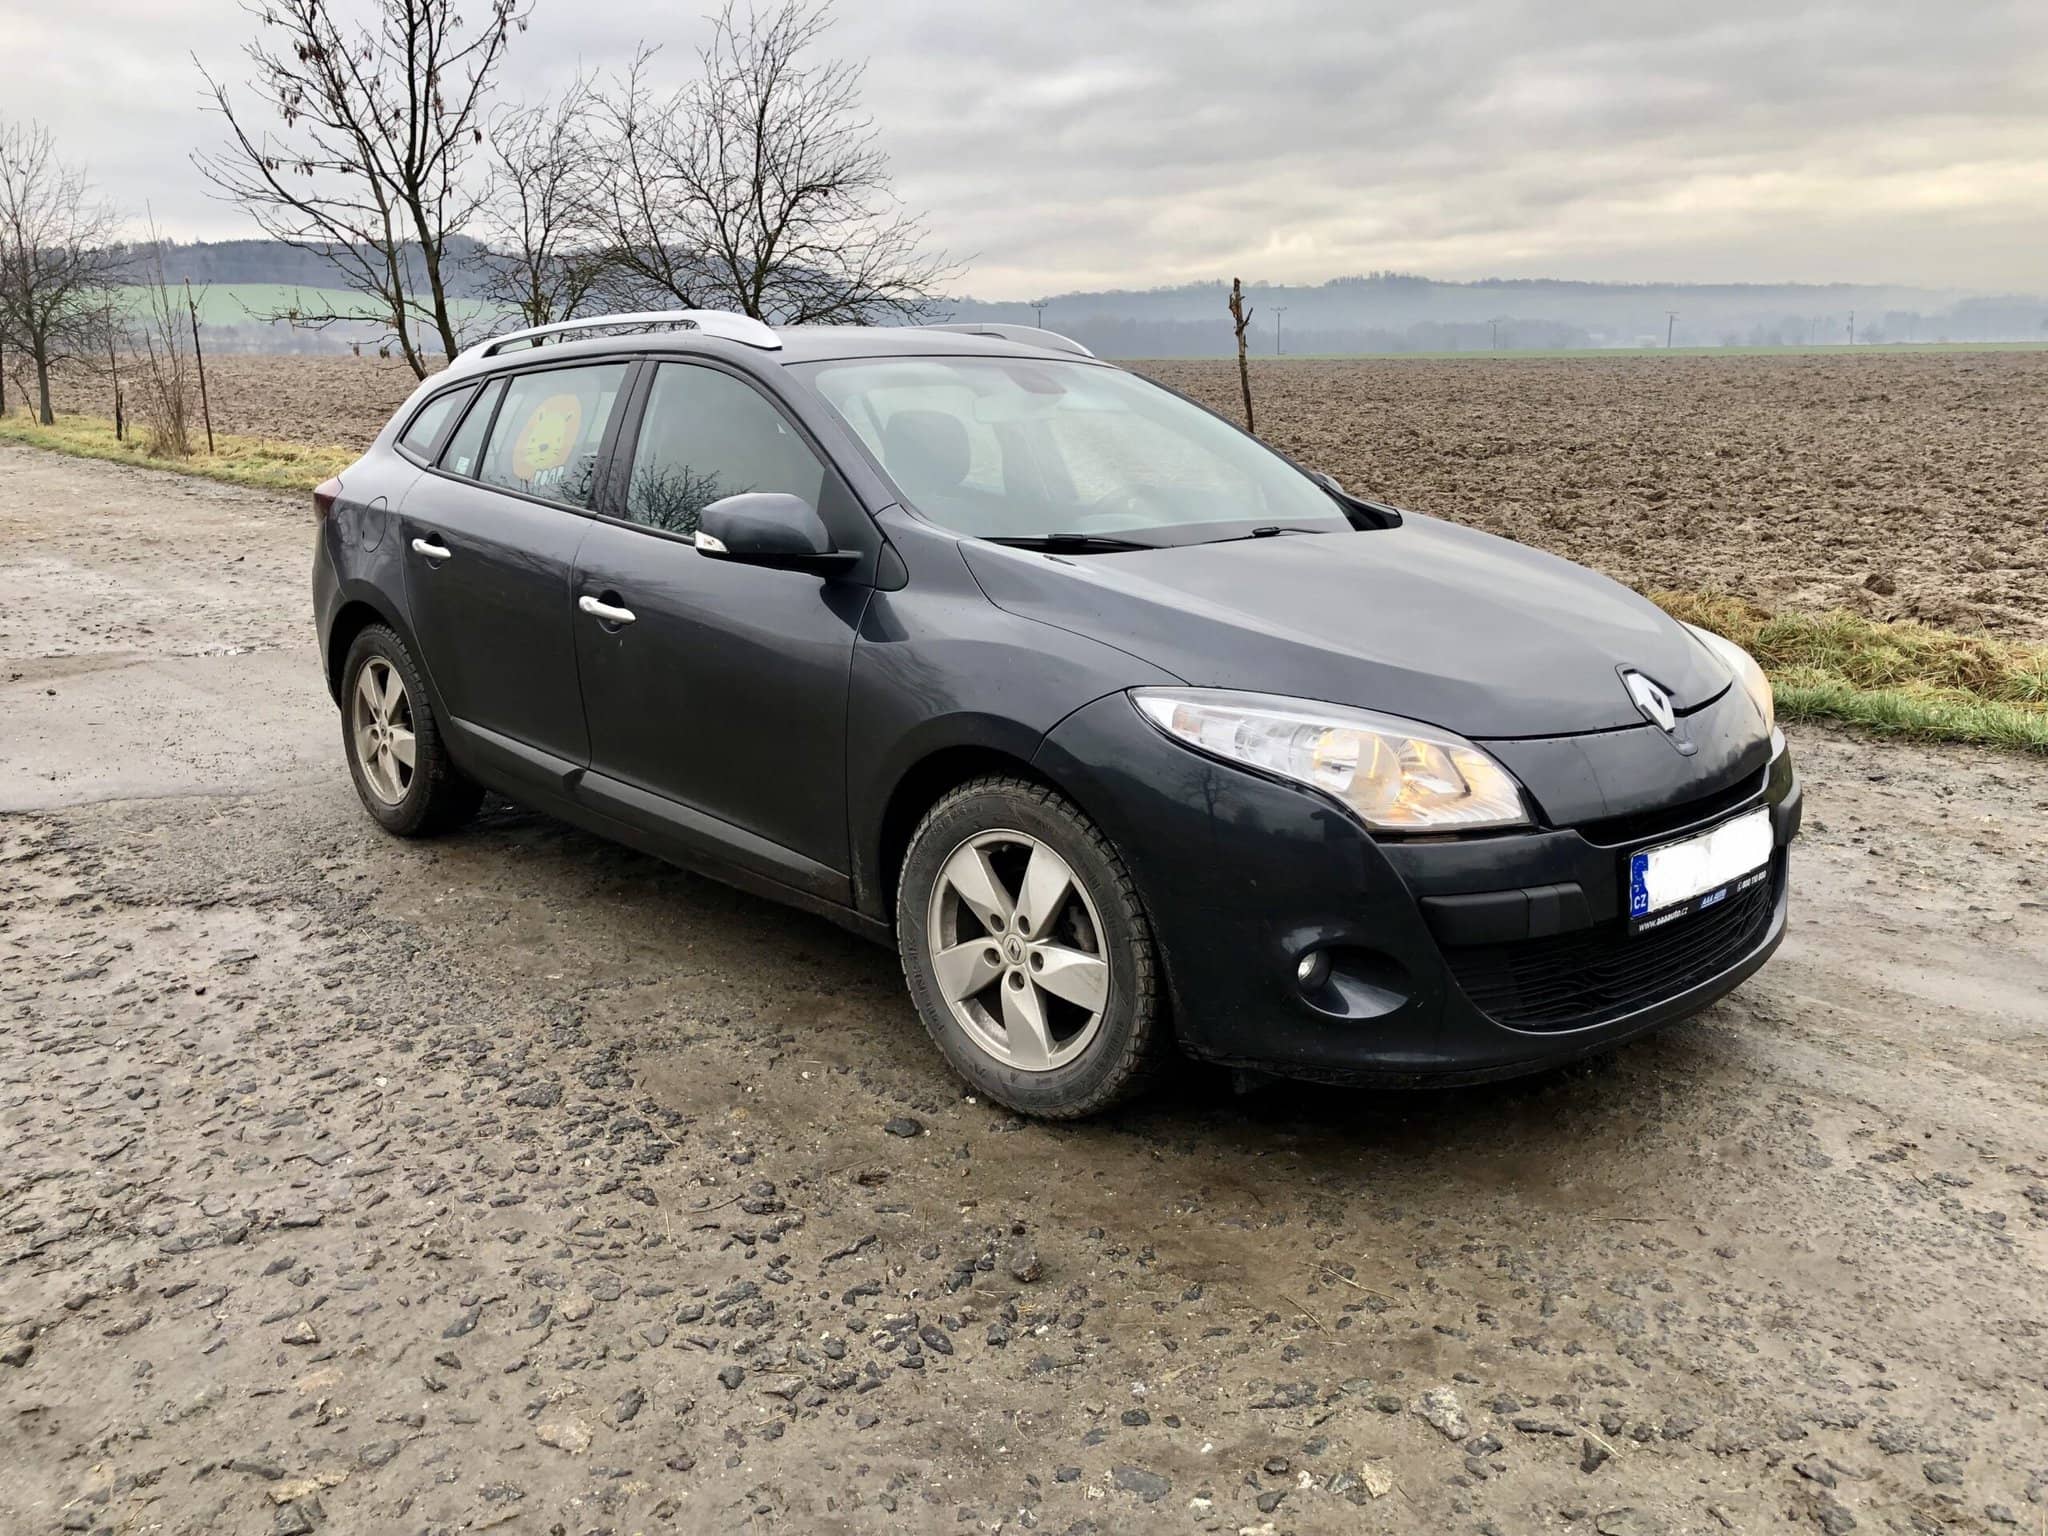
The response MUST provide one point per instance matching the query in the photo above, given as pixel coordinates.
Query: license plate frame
(1678, 879)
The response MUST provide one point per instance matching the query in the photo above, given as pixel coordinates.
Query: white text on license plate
(1671, 878)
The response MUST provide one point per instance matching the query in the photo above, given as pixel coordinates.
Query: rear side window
(549, 430)
(466, 447)
(430, 421)
(706, 436)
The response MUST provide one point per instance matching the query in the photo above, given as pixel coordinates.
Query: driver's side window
(705, 436)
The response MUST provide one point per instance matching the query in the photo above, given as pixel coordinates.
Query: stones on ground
(904, 1126)
(1834, 1519)
(1592, 1454)
(1149, 1486)
(298, 1518)
(1627, 1521)
(628, 1407)
(377, 1453)
(731, 1377)
(575, 1307)
(1025, 1266)
(301, 1332)
(1942, 1472)
(1440, 1409)
(571, 1435)
(465, 1324)
(17, 1353)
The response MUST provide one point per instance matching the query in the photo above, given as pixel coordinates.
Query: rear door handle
(605, 611)
(431, 551)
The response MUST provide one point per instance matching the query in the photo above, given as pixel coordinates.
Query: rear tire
(1058, 1012)
(396, 753)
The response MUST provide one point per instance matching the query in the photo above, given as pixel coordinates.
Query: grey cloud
(1068, 143)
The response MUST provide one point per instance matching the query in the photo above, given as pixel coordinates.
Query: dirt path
(517, 1181)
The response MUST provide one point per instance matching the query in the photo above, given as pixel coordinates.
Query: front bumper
(1454, 960)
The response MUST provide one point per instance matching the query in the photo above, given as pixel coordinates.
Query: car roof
(797, 344)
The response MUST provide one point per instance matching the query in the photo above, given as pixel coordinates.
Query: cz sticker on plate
(1681, 878)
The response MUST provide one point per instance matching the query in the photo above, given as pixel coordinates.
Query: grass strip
(1900, 679)
(262, 463)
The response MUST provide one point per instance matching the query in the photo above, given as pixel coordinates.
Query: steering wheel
(1131, 506)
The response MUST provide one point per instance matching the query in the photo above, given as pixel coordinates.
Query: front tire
(1028, 952)
(396, 754)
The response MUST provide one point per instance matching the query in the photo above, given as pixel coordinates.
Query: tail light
(325, 494)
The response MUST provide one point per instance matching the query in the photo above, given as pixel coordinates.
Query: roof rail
(1023, 335)
(712, 322)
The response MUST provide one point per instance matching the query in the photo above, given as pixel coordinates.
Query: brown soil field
(1900, 486)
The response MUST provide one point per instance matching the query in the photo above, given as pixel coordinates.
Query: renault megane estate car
(1130, 734)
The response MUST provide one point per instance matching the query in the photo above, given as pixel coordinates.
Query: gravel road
(517, 1181)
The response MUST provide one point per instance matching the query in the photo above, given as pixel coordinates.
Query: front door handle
(605, 611)
(430, 550)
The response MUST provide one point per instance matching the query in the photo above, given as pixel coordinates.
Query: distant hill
(1398, 312)
(1379, 312)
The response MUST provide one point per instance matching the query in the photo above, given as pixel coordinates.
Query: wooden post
(3, 381)
(1242, 317)
(114, 373)
(198, 357)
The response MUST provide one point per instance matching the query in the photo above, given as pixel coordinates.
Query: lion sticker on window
(541, 450)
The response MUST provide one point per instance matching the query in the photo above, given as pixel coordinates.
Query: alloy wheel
(1017, 949)
(381, 720)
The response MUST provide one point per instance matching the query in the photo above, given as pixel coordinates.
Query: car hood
(1427, 620)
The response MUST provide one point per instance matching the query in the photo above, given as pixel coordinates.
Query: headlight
(1396, 775)
(1746, 671)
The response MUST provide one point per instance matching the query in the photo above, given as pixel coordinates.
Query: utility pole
(1494, 327)
(1038, 308)
(1670, 321)
(1278, 311)
(1852, 327)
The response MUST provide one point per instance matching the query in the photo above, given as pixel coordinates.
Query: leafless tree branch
(59, 258)
(357, 149)
(761, 185)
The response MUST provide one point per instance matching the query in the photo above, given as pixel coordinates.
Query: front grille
(1643, 825)
(1601, 973)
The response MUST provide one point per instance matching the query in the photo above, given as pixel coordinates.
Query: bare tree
(166, 360)
(1240, 317)
(542, 254)
(58, 258)
(760, 186)
(365, 163)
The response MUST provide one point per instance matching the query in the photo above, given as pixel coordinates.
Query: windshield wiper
(1066, 543)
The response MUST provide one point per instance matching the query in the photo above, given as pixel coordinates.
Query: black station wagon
(1129, 733)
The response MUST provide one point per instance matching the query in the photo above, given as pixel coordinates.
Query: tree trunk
(44, 414)
(1242, 317)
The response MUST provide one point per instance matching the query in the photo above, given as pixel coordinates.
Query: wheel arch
(921, 786)
(359, 609)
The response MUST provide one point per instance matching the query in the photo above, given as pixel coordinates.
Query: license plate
(1679, 879)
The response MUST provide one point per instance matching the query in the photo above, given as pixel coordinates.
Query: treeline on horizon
(1371, 312)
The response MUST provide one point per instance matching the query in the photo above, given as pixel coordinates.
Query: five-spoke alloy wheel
(395, 753)
(1027, 950)
(381, 717)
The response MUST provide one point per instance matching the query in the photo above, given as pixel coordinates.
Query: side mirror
(770, 528)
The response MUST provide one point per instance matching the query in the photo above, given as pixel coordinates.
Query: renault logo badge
(1652, 700)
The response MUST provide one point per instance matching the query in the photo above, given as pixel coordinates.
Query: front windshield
(1002, 447)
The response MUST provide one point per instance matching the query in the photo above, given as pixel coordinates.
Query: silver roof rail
(712, 322)
(1023, 335)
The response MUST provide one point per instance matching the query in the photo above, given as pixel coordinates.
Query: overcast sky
(1062, 144)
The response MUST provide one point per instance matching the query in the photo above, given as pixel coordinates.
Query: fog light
(1313, 970)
